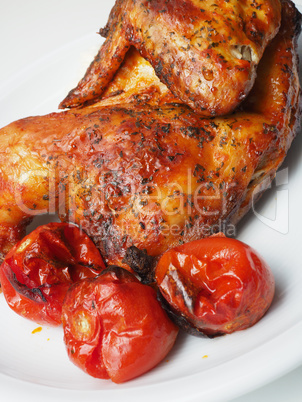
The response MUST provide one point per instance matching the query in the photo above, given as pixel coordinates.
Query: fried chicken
(141, 168)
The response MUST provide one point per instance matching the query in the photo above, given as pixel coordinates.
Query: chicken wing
(205, 52)
(136, 169)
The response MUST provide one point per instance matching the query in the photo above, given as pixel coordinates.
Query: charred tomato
(114, 326)
(214, 286)
(37, 272)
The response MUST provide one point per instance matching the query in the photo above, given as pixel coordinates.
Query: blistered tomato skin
(218, 285)
(114, 327)
(38, 271)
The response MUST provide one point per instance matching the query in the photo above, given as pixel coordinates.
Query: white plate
(45, 49)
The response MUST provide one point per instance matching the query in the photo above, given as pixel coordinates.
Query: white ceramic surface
(45, 48)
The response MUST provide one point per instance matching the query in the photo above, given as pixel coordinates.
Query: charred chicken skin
(140, 168)
(205, 52)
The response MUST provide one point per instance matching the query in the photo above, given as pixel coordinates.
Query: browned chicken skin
(137, 169)
(205, 52)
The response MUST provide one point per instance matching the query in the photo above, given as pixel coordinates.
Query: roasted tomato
(37, 272)
(114, 326)
(215, 285)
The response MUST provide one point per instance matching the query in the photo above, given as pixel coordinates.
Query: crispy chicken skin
(205, 52)
(136, 169)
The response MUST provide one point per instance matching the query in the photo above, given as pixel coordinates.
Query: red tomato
(38, 271)
(218, 285)
(114, 327)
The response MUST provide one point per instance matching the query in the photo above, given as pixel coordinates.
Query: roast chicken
(139, 166)
(206, 52)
